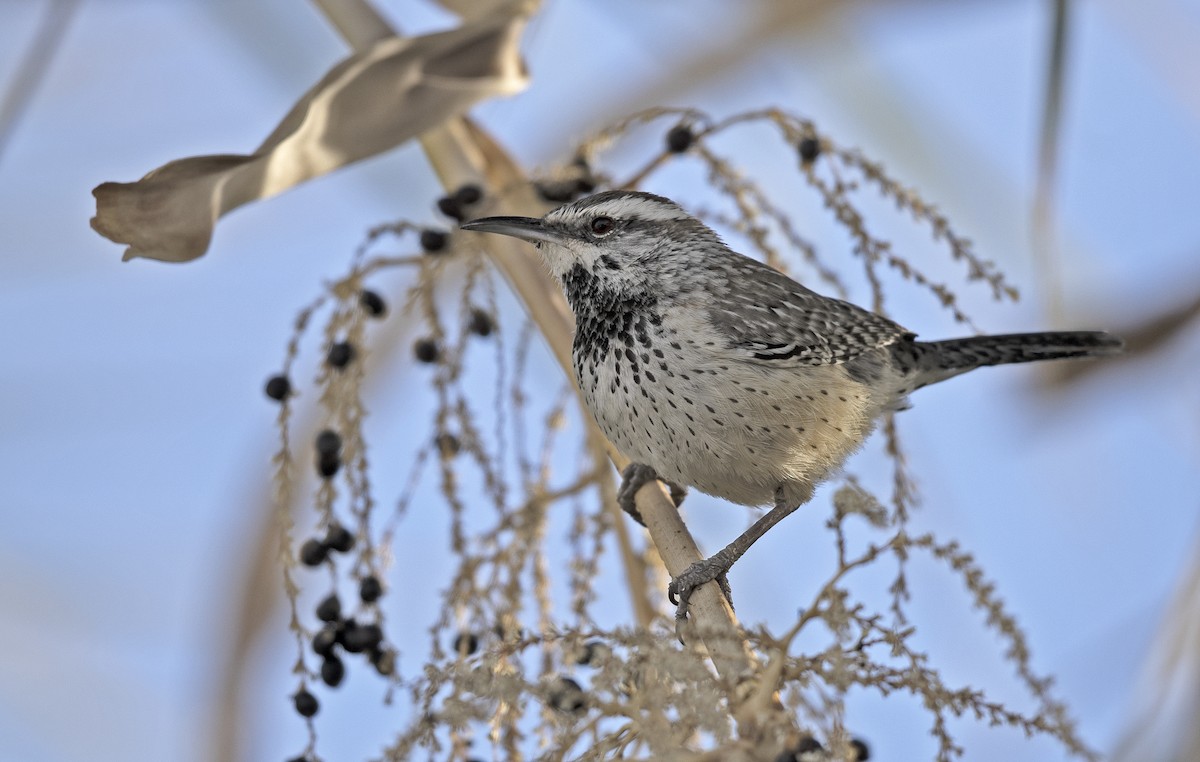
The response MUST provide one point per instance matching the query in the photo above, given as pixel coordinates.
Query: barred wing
(769, 318)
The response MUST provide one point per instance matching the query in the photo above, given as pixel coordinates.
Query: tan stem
(460, 152)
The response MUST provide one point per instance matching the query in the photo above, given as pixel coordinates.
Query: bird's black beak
(526, 228)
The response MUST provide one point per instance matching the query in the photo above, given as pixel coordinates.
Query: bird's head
(624, 239)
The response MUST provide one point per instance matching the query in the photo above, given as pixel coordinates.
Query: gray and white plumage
(723, 374)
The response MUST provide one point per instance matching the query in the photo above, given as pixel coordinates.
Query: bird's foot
(678, 493)
(633, 478)
(679, 592)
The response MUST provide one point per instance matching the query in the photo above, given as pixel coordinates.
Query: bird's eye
(602, 226)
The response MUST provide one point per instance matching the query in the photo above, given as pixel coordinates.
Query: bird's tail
(939, 360)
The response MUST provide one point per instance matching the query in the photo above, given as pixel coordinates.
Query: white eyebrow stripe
(632, 207)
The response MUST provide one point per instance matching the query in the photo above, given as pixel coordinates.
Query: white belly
(739, 432)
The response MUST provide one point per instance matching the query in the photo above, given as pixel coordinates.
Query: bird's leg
(717, 565)
(633, 478)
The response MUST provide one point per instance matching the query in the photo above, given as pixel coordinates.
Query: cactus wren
(711, 370)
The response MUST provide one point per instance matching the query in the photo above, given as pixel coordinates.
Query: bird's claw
(633, 478)
(678, 493)
(679, 592)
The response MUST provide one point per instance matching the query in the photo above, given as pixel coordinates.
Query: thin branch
(1047, 173)
(33, 67)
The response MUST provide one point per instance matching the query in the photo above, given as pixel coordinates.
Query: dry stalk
(462, 153)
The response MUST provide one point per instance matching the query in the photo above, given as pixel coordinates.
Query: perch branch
(460, 152)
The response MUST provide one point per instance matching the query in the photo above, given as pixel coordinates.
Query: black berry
(328, 464)
(468, 194)
(278, 388)
(325, 640)
(810, 149)
(466, 643)
(373, 303)
(862, 752)
(332, 671)
(432, 240)
(566, 696)
(450, 206)
(340, 354)
(361, 637)
(427, 350)
(328, 442)
(807, 744)
(585, 185)
(593, 651)
(481, 323)
(448, 445)
(330, 609)
(384, 661)
(680, 138)
(343, 628)
(555, 192)
(306, 703)
(370, 590)
(313, 553)
(339, 538)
